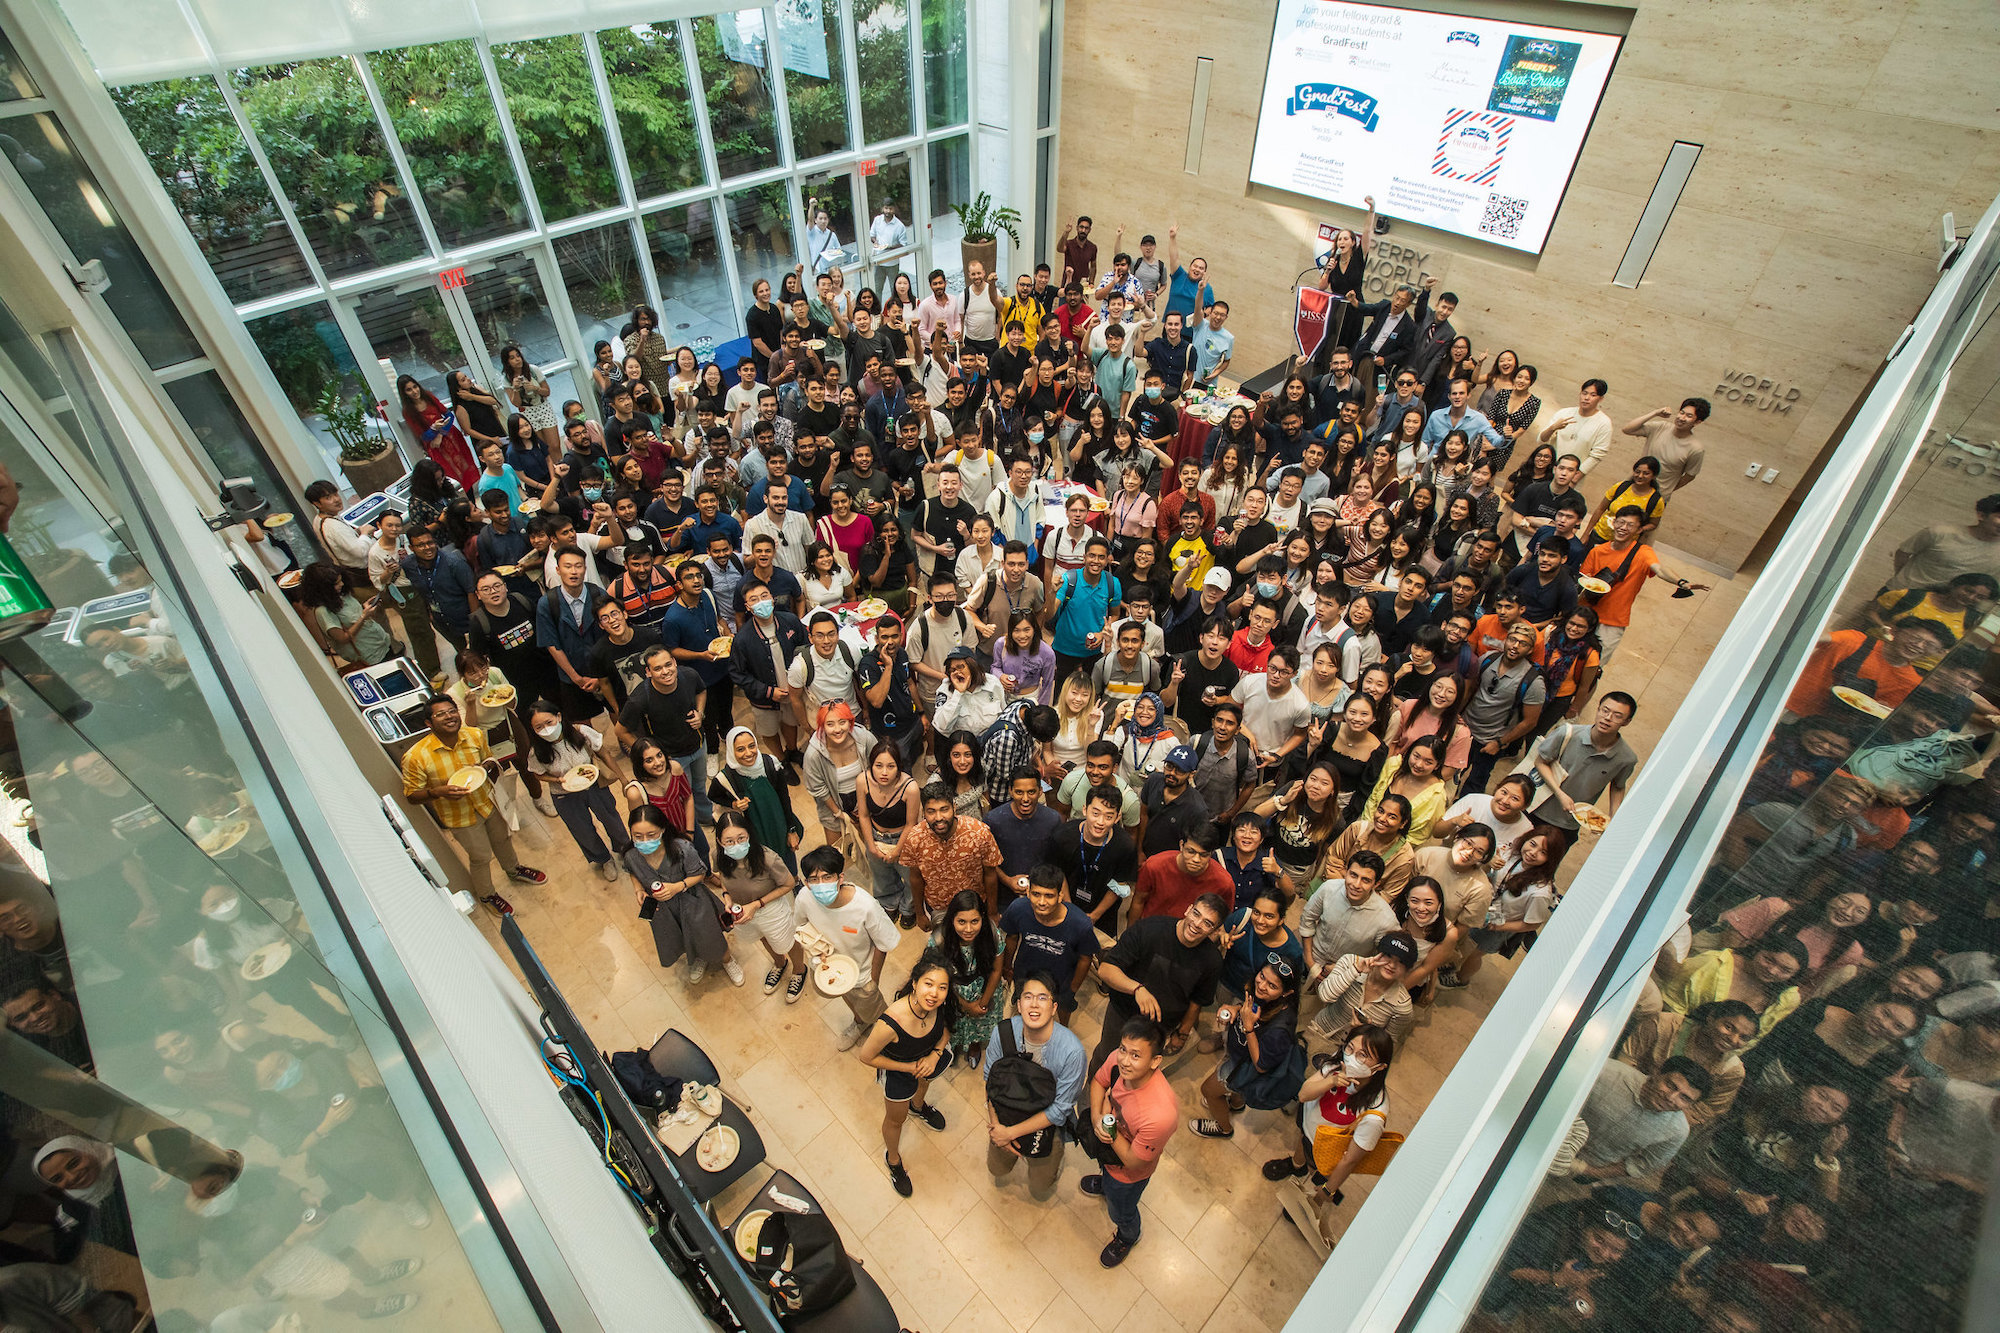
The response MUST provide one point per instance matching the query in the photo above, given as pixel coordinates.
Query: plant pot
(987, 252)
(376, 473)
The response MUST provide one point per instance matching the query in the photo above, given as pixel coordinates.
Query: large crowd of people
(927, 614)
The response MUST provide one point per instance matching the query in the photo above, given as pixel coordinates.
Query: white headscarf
(756, 768)
(103, 1154)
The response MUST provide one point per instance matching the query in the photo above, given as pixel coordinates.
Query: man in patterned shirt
(466, 812)
(1013, 742)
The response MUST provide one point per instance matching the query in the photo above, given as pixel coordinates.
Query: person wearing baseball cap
(1370, 990)
(1170, 881)
(1192, 605)
(1171, 808)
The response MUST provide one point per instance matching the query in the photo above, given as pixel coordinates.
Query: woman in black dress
(1341, 275)
(478, 411)
(909, 1045)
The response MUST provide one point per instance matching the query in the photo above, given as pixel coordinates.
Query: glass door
(891, 237)
(504, 303)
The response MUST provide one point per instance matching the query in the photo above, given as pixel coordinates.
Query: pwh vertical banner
(1309, 320)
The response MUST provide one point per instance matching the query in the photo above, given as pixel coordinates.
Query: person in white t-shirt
(1585, 432)
(1505, 811)
(741, 400)
(858, 928)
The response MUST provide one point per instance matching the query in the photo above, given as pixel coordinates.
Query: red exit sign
(451, 279)
(868, 167)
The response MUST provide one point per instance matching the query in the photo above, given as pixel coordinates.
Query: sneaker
(390, 1305)
(1114, 1253)
(415, 1214)
(499, 906)
(795, 988)
(1284, 1168)
(1209, 1129)
(791, 774)
(908, 921)
(389, 1272)
(1092, 1185)
(545, 805)
(696, 971)
(732, 970)
(609, 870)
(852, 1037)
(1448, 978)
(930, 1115)
(774, 977)
(899, 1177)
(527, 875)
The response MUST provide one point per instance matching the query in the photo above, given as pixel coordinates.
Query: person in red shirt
(1625, 563)
(1075, 315)
(1170, 881)
(1133, 1112)
(1168, 521)
(1881, 666)
(1250, 647)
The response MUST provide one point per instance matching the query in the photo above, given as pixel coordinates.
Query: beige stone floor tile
(933, 1284)
(1007, 1272)
(1224, 1241)
(1272, 1287)
(1233, 1316)
(943, 1195)
(784, 1103)
(1068, 1249)
(980, 1316)
(1066, 1315)
(849, 1177)
(1175, 1278)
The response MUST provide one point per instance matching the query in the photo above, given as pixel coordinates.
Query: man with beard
(1163, 968)
(1172, 810)
(946, 855)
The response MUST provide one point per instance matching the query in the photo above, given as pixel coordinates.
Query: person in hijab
(752, 783)
(1144, 739)
(85, 1172)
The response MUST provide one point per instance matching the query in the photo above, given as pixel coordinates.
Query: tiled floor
(963, 1256)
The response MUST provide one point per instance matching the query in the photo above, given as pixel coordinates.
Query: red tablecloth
(1193, 436)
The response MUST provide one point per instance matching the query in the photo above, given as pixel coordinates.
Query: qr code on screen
(1503, 216)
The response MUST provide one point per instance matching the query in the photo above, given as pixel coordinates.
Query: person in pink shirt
(942, 309)
(1133, 1112)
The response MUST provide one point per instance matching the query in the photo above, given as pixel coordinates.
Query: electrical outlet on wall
(1751, 471)
(1770, 475)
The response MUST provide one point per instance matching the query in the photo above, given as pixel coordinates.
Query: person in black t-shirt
(812, 463)
(1173, 808)
(1400, 614)
(663, 709)
(1010, 365)
(1164, 967)
(1200, 680)
(817, 415)
(1153, 417)
(618, 659)
(1094, 853)
(944, 524)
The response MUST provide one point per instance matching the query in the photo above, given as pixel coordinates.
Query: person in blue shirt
(1171, 356)
(798, 495)
(1188, 292)
(1061, 1053)
(526, 453)
(498, 476)
(445, 581)
(1082, 608)
(1212, 345)
(1457, 416)
(671, 509)
(709, 522)
(696, 618)
(566, 627)
(1048, 936)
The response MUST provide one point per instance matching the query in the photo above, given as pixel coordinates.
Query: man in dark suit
(774, 714)
(1391, 332)
(1433, 333)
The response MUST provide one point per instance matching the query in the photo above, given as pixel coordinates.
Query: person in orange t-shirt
(1882, 667)
(1639, 562)
(1491, 631)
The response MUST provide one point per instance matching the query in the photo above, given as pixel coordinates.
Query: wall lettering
(1393, 262)
(1758, 392)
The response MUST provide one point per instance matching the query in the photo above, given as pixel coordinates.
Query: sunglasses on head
(1617, 1222)
(1278, 965)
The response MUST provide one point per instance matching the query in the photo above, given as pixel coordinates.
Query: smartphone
(648, 908)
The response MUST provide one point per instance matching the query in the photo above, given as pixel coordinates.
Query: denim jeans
(1122, 1202)
(891, 883)
(696, 765)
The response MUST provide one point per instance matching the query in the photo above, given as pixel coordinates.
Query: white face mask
(226, 910)
(1353, 1069)
(549, 732)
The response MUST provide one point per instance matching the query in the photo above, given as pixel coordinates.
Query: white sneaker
(415, 1214)
(852, 1038)
(546, 805)
(610, 872)
(696, 971)
(732, 971)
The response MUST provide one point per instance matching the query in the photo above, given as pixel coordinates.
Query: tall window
(438, 103)
(553, 101)
(647, 73)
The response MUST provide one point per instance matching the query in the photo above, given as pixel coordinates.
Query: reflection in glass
(508, 307)
(332, 161)
(553, 101)
(882, 54)
(951, 183)
(889, 185)
(649, 94)
(83, 217)
(815, 81)
(411, 331)
(225, 437)
(693, 284)
(15, 81)
(195, 148)
(310, 359)
(946, 89)
(601, 275)
(830, 238)
(736, 86)
(443, 115)
(760, 229)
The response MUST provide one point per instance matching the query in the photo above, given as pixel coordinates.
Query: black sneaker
(795, 987)
(1092, 1184)
(899, 1177)
(791, 774)
(1448, 978)
(499, 906)
(774, 978)
(930, 1115)
(908, 921)
(1114, 1254)
(1284, 1168)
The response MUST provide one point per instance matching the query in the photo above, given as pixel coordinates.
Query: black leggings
(718, 712)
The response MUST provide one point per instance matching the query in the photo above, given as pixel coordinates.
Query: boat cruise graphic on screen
(1534, 75)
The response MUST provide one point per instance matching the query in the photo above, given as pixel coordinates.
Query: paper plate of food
(836, 974)
(497, 696)
(1598, 586)
(747, 1231)
(219, 840)
(872, 608)
(470, 778)
(267, 961)
(1590, 817)
(721, 644)
(1864, 703)
(276, 520)
(505, 570)
(581, 778)
(814, 344)
(1098, 504)
(531, 506)
(716, 1148)
(290, 578)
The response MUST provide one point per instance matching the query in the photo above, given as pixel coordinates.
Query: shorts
(766, 722)
(772, 923)
(898, 1086)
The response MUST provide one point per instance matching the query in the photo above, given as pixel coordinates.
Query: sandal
(1208, 1129)
(1284, 1168)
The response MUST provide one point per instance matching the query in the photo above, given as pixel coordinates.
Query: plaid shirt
(430, 763)
(1006, 748)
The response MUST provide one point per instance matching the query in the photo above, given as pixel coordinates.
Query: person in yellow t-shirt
(1952, 606)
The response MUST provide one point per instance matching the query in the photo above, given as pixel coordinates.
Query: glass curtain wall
(676, 162)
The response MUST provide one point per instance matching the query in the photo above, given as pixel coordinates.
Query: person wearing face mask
(556, 749)
(855, 923)
(1343, 1107)
(752, 784)
(311, 1108)
(674, 895)
(759, 892)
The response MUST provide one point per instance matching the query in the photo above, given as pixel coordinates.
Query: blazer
(1400, 342)
(750, 665)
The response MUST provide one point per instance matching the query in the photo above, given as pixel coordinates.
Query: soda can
(24, 607)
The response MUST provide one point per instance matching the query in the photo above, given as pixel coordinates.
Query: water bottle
(1381, 383)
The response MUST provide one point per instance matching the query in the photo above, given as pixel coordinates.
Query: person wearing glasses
(1258, 1034)
(1405, 394)
(1254, 936)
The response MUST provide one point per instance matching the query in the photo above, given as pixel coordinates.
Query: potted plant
(367, 453)
(982, 223)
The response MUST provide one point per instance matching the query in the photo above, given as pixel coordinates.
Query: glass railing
(1750, 1078)
(184, 1077)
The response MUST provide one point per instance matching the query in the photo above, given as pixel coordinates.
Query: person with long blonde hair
(1080, 719)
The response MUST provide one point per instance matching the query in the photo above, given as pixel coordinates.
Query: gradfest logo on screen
(1337, 98)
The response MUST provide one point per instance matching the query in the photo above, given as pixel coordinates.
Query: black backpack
(846, 655)
(1201, 748)
(1018, 1088)
(801, 1262)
